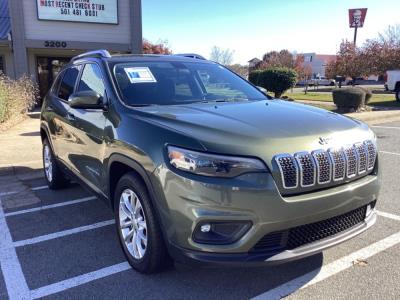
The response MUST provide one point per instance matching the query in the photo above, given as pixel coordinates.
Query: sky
(254, 27)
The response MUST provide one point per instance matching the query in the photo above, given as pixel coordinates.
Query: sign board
(357, 17)
(88, 11)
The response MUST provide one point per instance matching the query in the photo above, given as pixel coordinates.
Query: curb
(376, 117)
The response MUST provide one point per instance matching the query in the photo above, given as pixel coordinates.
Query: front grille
(305, 234)
(322, 167)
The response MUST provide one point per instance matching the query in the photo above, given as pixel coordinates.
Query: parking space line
(387, 152)
(330, 269)
(14, 278)
(63, 233)
(32, 189)
(35, 209)
(386, 127)
(79, 280)
(38, 188)
(388, 215)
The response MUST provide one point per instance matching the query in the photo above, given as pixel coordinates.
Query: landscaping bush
(276, 80)
(349, 99)
(368, 93)
(16, 97)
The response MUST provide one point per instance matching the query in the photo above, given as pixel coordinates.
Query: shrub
(348, 99)
(16, 97)
(276, 80)
(368, 93)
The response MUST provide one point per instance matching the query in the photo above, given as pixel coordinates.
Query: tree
(275, 59)
(161, 47)
(240, 70)
(303, 70)
(222, 56)
(276, 80)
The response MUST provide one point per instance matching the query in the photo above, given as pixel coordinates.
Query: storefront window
(2, 71)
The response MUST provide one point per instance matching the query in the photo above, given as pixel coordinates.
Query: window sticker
(140, 75)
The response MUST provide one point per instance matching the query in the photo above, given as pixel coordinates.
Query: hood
(259, 128)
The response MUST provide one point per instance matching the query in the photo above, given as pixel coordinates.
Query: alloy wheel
(132, 223)
(48, 166)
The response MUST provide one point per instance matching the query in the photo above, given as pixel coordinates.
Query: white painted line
(388, 215)
(78, 280)
(387, 152)
(386, 127)
(63, 233)
(14, 278)
(38, 188)
(30, 210)
(32, 189)
(330, 269)
(7, 193)
(21, 164)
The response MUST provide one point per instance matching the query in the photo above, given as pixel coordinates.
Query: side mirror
(86, 99)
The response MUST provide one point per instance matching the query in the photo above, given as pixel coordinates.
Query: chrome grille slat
(339, 163)
(371, 149)
(351, 161)
(324, 166)
(321, 167)
(362, 157)
(307, 168)
(289, 170)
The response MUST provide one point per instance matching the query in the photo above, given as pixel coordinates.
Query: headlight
(211, 164)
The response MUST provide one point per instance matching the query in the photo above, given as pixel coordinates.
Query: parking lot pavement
(63, 244)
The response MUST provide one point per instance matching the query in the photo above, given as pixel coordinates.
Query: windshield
(168, 83)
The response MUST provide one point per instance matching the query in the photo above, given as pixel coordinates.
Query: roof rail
(95, 53)
(191, 55)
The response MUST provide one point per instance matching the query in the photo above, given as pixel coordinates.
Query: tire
(55, 178)
(398, 95)
(141, 239)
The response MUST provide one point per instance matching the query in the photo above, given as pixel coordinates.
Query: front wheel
(137, 225)
(55, 178)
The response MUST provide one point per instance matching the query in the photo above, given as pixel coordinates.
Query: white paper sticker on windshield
(139, 75)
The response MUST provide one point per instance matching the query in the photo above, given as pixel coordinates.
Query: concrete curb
(376, 117)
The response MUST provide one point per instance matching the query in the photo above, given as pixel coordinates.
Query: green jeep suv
(199, 165)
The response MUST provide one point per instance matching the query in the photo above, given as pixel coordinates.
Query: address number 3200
(55, 44)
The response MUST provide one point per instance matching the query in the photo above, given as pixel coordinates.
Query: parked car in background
(319, 80)
(393, 82)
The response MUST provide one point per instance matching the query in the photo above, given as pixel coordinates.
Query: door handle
(71, 117)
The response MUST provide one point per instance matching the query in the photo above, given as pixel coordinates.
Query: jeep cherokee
(199, 165)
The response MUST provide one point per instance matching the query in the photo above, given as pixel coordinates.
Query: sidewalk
(21, 148)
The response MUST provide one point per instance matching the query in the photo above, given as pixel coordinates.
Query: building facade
(37, 37)
(317, 63)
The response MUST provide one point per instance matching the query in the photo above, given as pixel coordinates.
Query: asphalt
(65, 264)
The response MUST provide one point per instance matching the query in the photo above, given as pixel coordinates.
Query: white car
(187, 163)
(393, 82)
(322, 80)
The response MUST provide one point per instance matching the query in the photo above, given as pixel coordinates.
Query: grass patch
(387, 100)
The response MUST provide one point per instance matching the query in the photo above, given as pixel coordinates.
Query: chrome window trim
(297, 158)
(285, 155)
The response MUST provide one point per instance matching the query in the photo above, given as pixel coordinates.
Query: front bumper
(185, 201)
(271, 258)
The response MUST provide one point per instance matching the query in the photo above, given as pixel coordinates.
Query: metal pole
(355, 35)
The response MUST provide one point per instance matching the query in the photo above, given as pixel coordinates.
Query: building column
(136, 26)
(18, 38)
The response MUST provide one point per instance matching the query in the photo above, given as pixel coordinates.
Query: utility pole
(355, 35)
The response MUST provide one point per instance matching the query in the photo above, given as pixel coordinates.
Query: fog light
(220, 232)
(205, 228)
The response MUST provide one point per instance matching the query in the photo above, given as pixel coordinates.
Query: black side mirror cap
(86, 99)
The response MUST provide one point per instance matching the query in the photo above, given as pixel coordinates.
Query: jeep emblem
(324, 141)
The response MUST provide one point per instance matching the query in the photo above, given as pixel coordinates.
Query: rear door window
(68, 82)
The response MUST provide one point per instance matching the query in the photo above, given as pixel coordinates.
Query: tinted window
(56, 83)
(91, 80)
(167, 83)
(68, 83)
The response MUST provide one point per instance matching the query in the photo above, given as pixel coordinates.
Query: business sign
(88, 11)
(357, 17)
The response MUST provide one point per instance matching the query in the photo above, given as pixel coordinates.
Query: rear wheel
(137, 225)
(55, 178)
